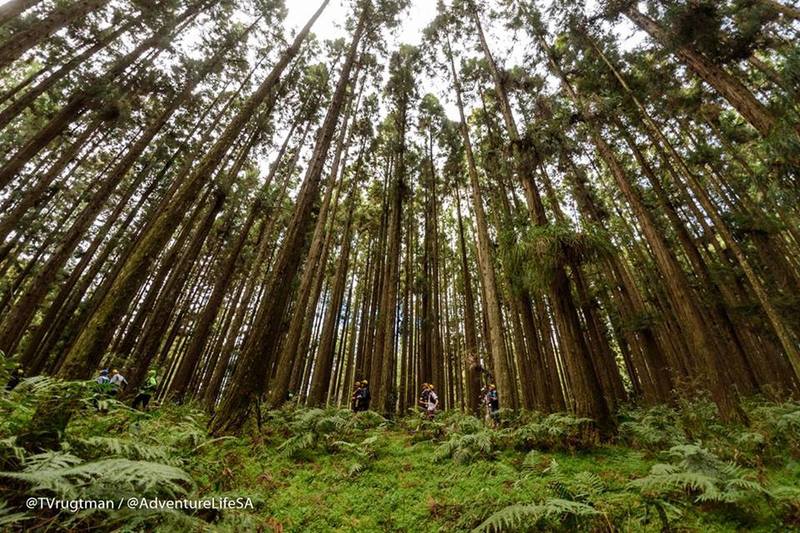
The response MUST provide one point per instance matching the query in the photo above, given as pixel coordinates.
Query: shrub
(557, 431)
(700, 476)
(651, 429)
(779, 424)
(465, 448)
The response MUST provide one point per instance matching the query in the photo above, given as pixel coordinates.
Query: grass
(405, 489)
(360, 472)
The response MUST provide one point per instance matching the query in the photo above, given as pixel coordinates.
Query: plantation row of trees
(261, 215)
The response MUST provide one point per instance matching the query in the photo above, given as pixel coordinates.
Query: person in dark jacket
(432, 403)
(16, 376)
(364, 405)
(493, 404)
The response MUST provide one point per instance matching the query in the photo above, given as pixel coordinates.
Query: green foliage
(9, 517)
(423, 429)
(312, 428)
(452, 473)
(651, 429)
(552, 513)
(465, 448)
(104, 446)
(779, 425)
(107, 455)
(68, 477)
(557, 431)
(700, 476)
(534, 257)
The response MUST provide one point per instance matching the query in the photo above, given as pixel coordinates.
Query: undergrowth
(669, 468)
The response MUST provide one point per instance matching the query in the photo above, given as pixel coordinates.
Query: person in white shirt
(117, 381)
(433, 401)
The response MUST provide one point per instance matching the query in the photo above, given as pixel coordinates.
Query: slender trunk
(252, 369)
(324, 359)
(677, 286)
(494, 319)
(471, 357)
(717, 77)
(10, 112)
(14, 8)
(82, 100)
(22, 41)
(588, 393)
(90, 345)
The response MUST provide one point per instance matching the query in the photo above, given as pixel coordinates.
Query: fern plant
(9, 517)
(363, 453)
(297, 444)
(557, 431)
(425, 430)
(551, 514)
(93, 456)
(700, 476)
(312, 428)
(467, 448)
(652, 429)
(779, 425)
(67, 476)
(458, 422)
(111, 446)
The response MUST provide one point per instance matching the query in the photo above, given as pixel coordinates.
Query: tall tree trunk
(788, 341)
(92, 341)
(471, 356)
(253, 367)
(80, 101)
(588, 395)
(494, 319)
(293, 352)
(681, 296)
(22, 41)
(318, 393)
(716, 76)
(11, 111)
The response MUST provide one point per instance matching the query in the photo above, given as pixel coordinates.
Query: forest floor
(669, 468)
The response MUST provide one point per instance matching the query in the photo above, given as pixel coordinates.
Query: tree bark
(92, 341)
(252, 369)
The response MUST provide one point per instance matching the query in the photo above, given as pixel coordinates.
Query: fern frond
(141, 477)
(51, 460)
(355, 469)
(292, 446)
(515, 516)
(8, 517)
(464, 448)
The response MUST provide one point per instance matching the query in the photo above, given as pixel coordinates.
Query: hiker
(355, 400)
(103, 379)
(16, 376)
(118, 382)
(364, 403)
(102, 386)
(146, 391)
(423, 397)
(493, 404)
(433, 401)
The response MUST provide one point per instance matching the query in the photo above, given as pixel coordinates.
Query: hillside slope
(320, 470)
